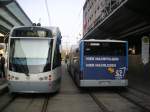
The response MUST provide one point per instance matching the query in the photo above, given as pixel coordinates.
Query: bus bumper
(103, 83)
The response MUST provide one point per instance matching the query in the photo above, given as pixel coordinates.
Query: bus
(72, 56)
(34, 59)
(99, 63)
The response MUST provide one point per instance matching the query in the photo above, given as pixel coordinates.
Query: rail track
(8, 101)
(139, 98)
(31, 100)
(105, 100)
(128, 98)
(45, 104)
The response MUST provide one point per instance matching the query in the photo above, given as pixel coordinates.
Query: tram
(34, 59)
(99, 63)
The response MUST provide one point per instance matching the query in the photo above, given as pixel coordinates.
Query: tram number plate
(104, 83)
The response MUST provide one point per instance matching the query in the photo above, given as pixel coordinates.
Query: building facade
(96, 11)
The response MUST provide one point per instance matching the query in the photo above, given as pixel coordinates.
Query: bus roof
(105, 40)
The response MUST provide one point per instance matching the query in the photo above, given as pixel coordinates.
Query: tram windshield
(105, 48)
(30, 55)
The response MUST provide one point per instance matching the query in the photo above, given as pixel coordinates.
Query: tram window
(57, 58)
(28, 32)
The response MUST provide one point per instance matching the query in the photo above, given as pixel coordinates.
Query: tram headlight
(12, 77)
(8, 77)
(50, 77)
(16, 78)
(41, 78)
(45, 78)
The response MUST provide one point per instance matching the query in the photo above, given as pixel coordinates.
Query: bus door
(104, 60)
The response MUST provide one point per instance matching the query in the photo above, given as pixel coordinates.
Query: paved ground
(139, 74)
(71, 99)
(3, 84)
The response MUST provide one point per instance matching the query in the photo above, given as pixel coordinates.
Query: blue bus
(99, 63)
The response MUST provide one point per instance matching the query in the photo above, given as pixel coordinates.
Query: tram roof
(53, 29)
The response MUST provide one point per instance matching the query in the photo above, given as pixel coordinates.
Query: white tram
(34, 59)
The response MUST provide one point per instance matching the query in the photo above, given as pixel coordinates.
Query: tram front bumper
(34, 86)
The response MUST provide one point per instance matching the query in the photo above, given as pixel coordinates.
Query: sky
(66, 14)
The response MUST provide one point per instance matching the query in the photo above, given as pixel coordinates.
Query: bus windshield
(105, 48)
(30, 55)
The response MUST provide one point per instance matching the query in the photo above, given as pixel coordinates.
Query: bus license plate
(104, 83)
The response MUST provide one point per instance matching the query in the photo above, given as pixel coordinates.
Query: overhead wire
(74, 29)
(77, 31)
(48, 13)
(78, 18)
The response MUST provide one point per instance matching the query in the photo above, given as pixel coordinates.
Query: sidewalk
(139, 74)
(3, 84)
